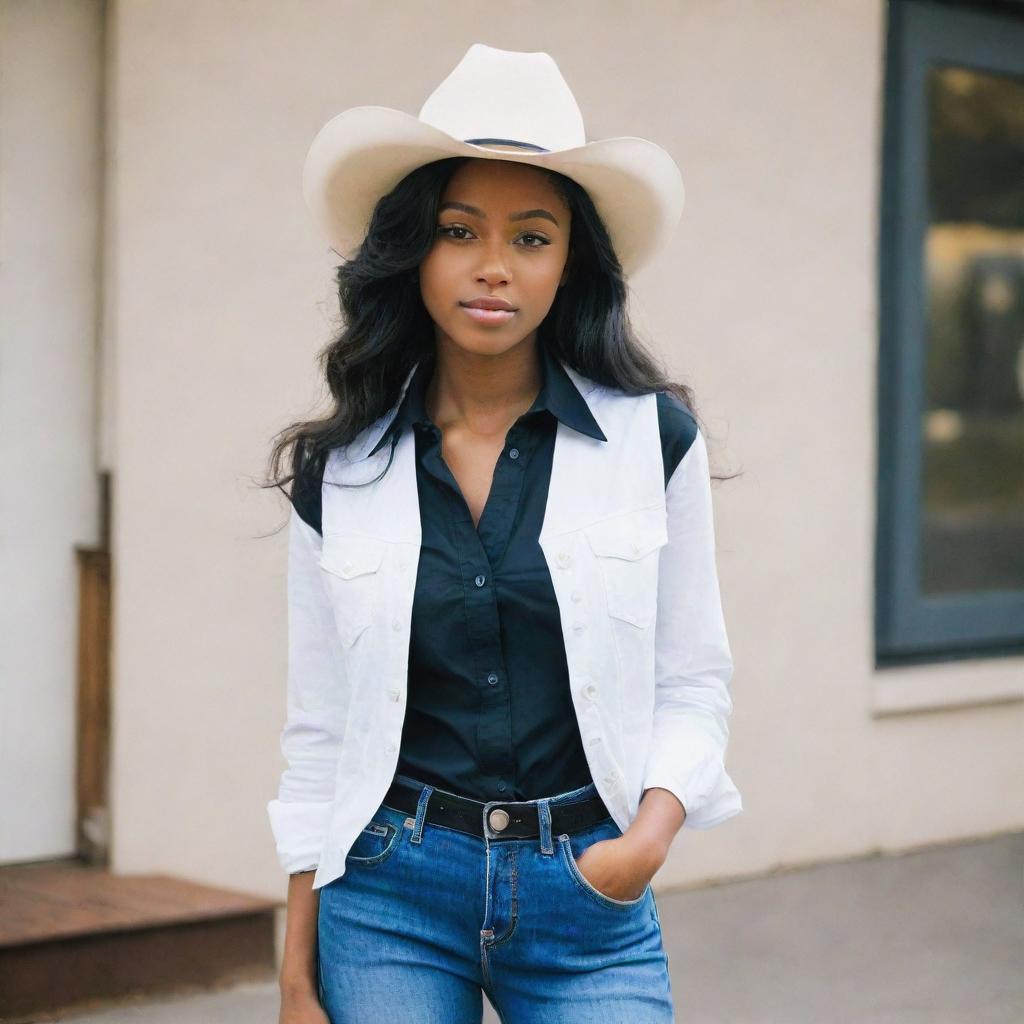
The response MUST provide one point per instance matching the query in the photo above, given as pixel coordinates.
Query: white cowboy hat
(495, 105)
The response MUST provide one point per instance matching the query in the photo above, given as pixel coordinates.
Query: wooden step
(74, 936)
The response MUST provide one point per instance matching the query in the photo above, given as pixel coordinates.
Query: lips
(489, 316)
(489, 302)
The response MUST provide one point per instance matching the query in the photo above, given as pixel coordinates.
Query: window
(950, 533)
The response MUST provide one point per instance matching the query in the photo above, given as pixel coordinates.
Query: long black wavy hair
(387, 326)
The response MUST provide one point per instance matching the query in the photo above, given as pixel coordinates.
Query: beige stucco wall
(51, 168)
(766, 303)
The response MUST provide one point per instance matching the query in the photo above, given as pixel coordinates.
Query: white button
(403, 565)
(577, 596)
(590, 691)
(347, 567)
(579, 626)
(564, 559)
(392, 748)
(595, 740)
(634, 547)
(396, 624)
(612, 776)
(395, 694)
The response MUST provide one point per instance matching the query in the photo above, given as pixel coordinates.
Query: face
(486, 247)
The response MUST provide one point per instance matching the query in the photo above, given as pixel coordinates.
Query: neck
(484, 394)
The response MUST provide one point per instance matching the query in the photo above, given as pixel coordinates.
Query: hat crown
(506, 97)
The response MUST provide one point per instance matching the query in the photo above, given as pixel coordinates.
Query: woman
(508, 670)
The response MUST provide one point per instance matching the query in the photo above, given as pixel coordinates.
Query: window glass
(972, 501)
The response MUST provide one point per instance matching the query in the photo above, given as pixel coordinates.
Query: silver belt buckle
(498, 819)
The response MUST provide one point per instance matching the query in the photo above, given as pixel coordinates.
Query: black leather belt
(506, 821)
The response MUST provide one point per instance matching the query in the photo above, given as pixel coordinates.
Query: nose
(493, 268)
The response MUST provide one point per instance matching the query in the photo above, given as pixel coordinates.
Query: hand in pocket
(611, 868)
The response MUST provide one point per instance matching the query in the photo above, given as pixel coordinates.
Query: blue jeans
(427, 918)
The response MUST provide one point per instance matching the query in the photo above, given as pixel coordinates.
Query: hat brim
(363, 152)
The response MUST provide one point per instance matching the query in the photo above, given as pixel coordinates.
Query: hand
(301, 1007)
(620, 868)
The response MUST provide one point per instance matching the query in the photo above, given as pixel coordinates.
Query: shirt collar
(558, 395)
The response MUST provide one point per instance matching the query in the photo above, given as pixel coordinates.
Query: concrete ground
(935, 936)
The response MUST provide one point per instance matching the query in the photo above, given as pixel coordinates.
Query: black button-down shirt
(489, 712)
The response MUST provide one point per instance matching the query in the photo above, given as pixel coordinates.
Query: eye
(448, 231)
(444, 228)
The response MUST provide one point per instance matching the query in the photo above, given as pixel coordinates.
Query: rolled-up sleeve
(317, 705)
(693, 661)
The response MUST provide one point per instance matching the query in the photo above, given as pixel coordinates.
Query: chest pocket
(627, 548)
(352, 564)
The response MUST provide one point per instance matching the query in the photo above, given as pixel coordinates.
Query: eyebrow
(477, 212)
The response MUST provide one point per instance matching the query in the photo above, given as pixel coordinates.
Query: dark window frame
(909, 626)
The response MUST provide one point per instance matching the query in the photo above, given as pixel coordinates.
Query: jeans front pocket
(377, 841)
(571, 847)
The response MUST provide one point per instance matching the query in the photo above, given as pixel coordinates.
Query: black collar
(558, 395)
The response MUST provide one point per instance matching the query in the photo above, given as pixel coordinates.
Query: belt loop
(544, 820)
(421, 814)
